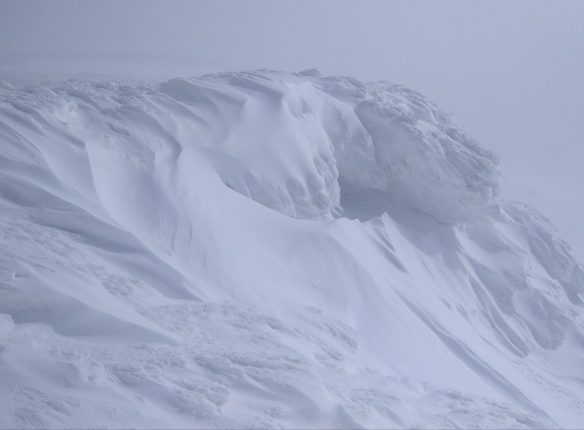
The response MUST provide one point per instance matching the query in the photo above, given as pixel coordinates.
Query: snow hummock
(271, 249)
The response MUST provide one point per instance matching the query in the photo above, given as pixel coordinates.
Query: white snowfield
(268, 249)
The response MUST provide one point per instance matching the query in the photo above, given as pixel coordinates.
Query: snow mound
(405, 146)
(264, 139)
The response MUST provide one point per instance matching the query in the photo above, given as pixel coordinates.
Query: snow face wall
(271, 249)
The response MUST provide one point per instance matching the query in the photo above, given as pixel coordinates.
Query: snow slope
(272, 250)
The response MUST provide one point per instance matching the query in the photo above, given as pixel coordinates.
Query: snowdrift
(273, 250)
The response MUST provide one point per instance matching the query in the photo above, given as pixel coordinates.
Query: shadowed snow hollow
(272, 250)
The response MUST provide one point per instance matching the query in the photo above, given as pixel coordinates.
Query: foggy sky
(510, 71)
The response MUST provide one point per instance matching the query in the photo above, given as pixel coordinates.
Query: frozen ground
(272, 250)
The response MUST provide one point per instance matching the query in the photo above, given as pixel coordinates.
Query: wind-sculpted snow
(272, 250)
(264, 140)
(284, 140)
(401, 144)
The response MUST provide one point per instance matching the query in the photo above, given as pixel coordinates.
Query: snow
(271, 249)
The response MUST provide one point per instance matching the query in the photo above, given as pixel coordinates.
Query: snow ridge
(272, 249)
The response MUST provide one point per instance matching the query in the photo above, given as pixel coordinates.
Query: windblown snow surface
(269, 249)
